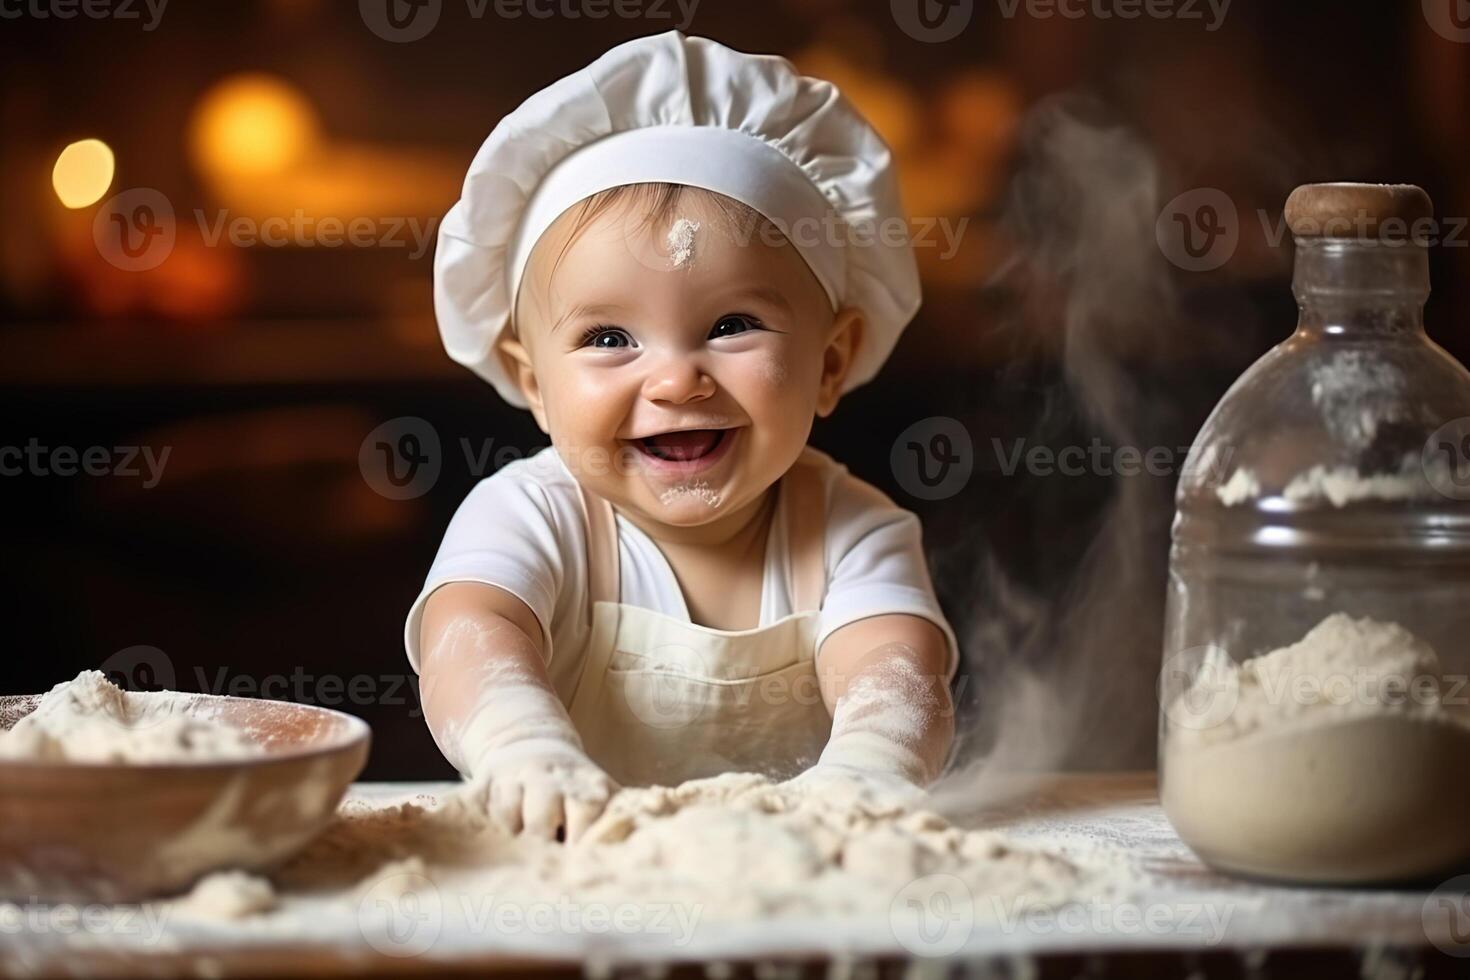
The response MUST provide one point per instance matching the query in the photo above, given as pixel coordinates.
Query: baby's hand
(847, 785)
(543, 787)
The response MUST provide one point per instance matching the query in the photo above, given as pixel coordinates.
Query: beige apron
(661, 700)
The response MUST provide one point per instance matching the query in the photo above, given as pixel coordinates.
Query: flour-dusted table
(1170, 916)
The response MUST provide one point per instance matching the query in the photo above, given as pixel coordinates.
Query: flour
(717, 869)
(1338, 485)
(238, 817)
(672, 866)
(731, 847)
(1343, 667)
(395, 879)
(1342, 485)
(1337, 758)
(1242, 486)
(680, 242)
(698, 489)
(880, 721)
(226, 896)
(1356, 392)
(90, 720)
(522, 708)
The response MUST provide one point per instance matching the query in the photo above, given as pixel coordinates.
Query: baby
(661, 256)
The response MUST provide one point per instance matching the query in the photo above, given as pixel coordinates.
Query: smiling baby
(656, 256)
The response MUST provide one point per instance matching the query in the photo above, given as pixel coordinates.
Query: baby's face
(677, 367)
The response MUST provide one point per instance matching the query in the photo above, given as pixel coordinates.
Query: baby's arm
(494, 714)
(885, 681)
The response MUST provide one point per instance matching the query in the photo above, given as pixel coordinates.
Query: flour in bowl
(91, 720)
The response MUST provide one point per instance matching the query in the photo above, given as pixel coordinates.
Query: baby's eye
(735, 323)
(606, 338)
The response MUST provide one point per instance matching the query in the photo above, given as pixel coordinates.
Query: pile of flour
(665, 865)
(91, 720)
(1338, 758)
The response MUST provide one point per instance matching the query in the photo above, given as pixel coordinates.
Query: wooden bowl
(120, 833)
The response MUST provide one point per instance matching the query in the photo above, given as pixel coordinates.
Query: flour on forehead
(681, 241)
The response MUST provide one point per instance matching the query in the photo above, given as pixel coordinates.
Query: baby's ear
(844, 339)
(517, 362)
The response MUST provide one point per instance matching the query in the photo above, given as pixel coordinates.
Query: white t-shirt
(523, 529)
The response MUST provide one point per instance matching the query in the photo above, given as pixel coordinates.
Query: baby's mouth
(682, 447)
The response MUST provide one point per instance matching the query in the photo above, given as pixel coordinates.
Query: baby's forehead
(657, 211)
(658, 228)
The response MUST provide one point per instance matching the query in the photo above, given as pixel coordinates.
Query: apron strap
(602, 550)
(806, 526)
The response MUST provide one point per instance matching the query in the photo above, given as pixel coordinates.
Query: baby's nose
(677, 380)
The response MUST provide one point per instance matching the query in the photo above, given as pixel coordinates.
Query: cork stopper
(1362, 211)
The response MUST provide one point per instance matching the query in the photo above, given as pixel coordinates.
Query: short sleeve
(875, 557)
(504, 534)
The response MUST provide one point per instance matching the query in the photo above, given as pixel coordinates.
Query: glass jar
(1332, 478)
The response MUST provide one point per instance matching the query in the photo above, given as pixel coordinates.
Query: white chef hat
(681, 110)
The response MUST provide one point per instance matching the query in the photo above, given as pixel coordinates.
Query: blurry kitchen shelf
(265, 352)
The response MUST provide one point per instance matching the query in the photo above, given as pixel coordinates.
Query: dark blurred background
(269, 555)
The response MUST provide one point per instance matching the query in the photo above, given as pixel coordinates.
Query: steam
(1067, 682)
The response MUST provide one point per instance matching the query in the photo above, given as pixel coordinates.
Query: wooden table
(1177, 919)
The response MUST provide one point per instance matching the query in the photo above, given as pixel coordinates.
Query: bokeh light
(83, 172)
(252, 125)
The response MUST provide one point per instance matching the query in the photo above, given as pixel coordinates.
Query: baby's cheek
(773, 369)
(785, 384)
(761, 377)
(590, 407)
(780, 401)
